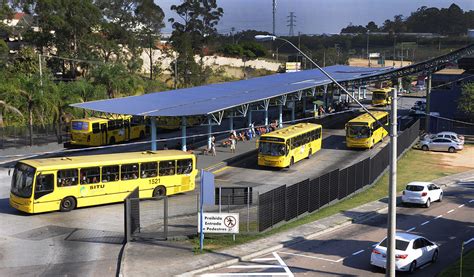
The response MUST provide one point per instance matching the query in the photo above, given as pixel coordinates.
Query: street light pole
(393, 156)
(368, 54)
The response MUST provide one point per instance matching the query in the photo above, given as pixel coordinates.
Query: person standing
(232, 144)
(213, 146)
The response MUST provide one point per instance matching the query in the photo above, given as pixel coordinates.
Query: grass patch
(415, 165)
(467, 266)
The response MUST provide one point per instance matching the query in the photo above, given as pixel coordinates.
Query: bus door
(44, 191)
(104, 137)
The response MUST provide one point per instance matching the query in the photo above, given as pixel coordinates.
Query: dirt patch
(464, 158)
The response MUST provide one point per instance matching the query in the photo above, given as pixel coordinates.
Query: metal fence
(18, 136)
(438, 124)
(286, 203)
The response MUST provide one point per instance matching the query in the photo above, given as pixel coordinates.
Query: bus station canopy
(209, 99)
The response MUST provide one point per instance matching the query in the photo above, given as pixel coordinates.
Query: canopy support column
(266, 103)
(293, 112)
(153, 133)
(280, 116)
(364, 90)
(304, 106)
(358, 94)
(183, 133)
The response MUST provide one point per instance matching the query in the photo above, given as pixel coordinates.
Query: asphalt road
(87, 242)
(347, 251)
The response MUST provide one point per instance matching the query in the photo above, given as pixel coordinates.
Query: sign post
(206, 197)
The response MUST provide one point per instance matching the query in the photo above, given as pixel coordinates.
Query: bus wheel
(310, 153)
(142, 135)
(67, 204)
(112, 140)
(159, 191)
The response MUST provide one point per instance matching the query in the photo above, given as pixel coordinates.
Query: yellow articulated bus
(94, 131)
(381, 97)
(43, 185)
(284, 147)
(364, 132)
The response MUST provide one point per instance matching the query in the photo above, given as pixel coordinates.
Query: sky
(312, 16)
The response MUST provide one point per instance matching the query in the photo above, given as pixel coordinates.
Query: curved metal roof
(209, 99)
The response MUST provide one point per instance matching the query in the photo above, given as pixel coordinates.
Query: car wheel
(435, 257)
(440, 197)
(425, 148)
(451, 150)
(67, 204)
(412, 267)
(428, 203)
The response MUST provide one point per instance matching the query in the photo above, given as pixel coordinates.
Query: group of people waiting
(248, 134)
(338, 106)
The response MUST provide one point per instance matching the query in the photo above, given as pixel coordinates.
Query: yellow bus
(364, 132)
(174, 123)
(94, 131)
(284, 147)
(51, 184)
(381, 97)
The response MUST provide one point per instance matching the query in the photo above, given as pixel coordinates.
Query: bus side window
(44, 185)
(185, 166)
(110, 173)
(149, 170)
(90, 175)
(129, 171)
(95, 128)
(67, 177)
(167, 168)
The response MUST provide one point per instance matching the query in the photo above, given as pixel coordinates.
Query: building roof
(209, 99)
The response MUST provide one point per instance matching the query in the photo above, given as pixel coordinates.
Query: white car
(411, 252)
(449, 135)
(422, 193)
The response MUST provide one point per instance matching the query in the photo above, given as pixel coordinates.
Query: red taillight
(375, 251)
(403, 256)
(424, 193)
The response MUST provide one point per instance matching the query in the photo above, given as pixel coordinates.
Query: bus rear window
(80, 126)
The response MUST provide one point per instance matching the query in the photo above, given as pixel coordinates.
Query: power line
(291, 23)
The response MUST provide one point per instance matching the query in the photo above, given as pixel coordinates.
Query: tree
(371, 26)
(466, 101)
(191, 34)
(116, 80)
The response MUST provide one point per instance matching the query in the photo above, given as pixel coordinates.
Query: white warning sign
(219, 223)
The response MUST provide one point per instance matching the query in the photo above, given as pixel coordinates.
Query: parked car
(449, 135)
(411, 252)
(422, 193)
(440, 144)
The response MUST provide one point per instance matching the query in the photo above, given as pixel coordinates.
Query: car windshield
(80, 126)
(378, 96)
(272, 149)
(399, 244)
(358, 131)
(22, 180)
(414, 188)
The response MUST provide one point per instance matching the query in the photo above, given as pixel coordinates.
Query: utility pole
(368, 54)
(274, 13)
(291, 23)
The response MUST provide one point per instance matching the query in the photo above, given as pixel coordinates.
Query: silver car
(450, 135)
(440, 144)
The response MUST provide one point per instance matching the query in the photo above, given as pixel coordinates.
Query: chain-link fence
(286, 203)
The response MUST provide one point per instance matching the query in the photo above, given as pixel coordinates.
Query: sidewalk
(177, 258)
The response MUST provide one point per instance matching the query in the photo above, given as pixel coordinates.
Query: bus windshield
(272, 149)
(379, 96)
(22, 180)
(80, 126)
(358, 131)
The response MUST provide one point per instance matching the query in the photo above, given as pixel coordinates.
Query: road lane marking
(466, 242)
(255, 266)
(312, 257)
(246, 274)
(263, 259)
(439, 216)
(424, 223)
(450, 211)
(411, 229)
(460, 206)
(221, 169)
(358, 252)
(280, 260)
